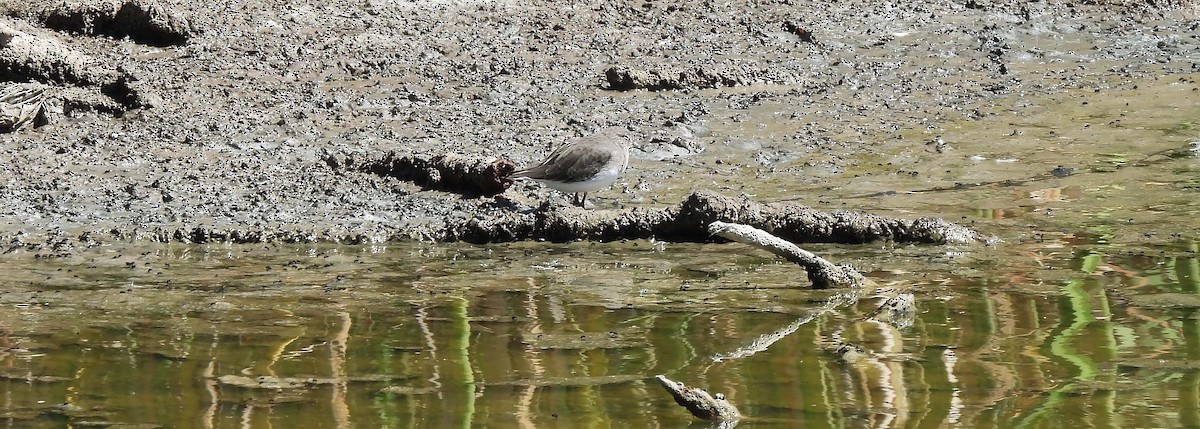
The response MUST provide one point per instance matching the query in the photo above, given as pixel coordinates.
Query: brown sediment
(145, 21)
(690, 219)
(472, 176)
(81, 78)
(224, 134)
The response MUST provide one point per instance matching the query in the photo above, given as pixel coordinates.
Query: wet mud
(229, 123)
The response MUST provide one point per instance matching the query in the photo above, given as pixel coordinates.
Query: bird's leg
(581, 199)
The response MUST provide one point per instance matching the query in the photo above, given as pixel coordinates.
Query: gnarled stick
(699, 402)
(22, 105)
(821, 272)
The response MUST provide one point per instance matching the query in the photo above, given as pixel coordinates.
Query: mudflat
(227, 120)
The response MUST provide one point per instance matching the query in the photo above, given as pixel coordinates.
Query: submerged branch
(699, 402)
(898, 308)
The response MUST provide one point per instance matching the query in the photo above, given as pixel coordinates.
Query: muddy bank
(243, 109)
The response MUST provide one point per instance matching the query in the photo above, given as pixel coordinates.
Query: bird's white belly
(600, 181)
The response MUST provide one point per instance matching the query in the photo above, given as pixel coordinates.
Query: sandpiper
(586, 164)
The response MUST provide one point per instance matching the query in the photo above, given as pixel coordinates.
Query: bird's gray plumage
(582, 158)
(586, 164)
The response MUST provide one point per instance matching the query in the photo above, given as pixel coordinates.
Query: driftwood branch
(699, 402)
(821, 273)
(897, 309)
(22, 105)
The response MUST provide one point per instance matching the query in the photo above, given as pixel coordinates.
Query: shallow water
(1086, 315)
(545, 335)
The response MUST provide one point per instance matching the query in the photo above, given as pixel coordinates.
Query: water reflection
(536, 336)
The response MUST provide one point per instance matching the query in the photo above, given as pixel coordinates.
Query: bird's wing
(570, 163)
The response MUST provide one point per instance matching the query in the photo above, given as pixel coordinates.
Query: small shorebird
(586, 164)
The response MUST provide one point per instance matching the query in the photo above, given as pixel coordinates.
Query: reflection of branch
(525, 398)
(422, 318)
(1005, 380)
(337, 368)
(247, 416)
(277, 353)
(897, 310)
(765, 341)
(761, 343)
(210, 386)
